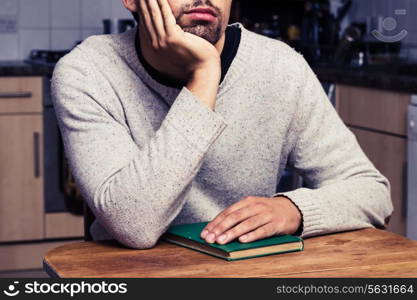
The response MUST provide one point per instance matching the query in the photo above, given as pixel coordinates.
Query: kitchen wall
(363, 9)
(58, 24)
(52, 24)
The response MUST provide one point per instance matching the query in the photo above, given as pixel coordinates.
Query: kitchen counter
(20, 68)
(379, 77)
(394, 78)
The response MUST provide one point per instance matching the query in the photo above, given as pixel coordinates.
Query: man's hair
(136, 16)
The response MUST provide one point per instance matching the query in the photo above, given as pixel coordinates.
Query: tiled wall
(58, 24)
(54, 24)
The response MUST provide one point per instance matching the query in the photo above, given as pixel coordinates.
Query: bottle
(275, 28)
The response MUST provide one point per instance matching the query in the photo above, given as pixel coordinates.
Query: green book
(188, 235)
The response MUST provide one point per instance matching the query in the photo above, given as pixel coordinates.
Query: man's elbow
(387, 207)
(138, 244)
(135, 240)
(125, 224)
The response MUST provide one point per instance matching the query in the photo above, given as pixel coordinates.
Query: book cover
(188, 235)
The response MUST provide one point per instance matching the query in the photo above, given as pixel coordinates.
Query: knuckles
(237, 215)
(219, 229)
(171, 40)
(232, 233)
(249, 198)
(264, 231)
(164, 43)
(260, 205)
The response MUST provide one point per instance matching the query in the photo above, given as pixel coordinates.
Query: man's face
(209, 23)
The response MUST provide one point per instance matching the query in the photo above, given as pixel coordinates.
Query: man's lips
(202, 13)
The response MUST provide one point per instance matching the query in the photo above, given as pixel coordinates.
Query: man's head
(191, 20)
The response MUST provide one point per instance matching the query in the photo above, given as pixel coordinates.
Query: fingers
(222, 215)
(157, 20)
(154, 22)
(168, 17)
(145, 19)
(246, 226)
(260, 233)
(231, 220)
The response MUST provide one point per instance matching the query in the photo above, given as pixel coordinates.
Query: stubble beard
(210, 31)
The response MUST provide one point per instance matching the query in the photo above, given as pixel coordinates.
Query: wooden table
(361, 253)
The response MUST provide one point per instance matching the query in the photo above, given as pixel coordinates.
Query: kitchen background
(363, 51)
(53, 24)
(59, 24)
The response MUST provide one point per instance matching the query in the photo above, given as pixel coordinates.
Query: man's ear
(131, 5)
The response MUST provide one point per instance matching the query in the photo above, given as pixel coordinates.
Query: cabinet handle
(36, 153)
(15, 95)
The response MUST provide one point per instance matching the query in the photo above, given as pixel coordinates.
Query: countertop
(380, 77)
(399, 78)
(20, 68)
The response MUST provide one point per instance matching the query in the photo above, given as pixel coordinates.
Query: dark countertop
(20, 68)
(392, 78)
(380, 77)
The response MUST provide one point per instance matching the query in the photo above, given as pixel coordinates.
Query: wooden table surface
(361, 253)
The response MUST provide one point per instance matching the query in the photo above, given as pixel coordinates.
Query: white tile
(119, 11)
(65, 14)
(86, 32)
(32, 39)
(62, 39)
(34, 14)
(94, 11)
(8, 7)
(9, 49)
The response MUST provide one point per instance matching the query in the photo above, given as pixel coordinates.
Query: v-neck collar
(231, 45)
(169, 94)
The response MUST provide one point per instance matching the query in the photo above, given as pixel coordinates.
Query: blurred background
(364, 52)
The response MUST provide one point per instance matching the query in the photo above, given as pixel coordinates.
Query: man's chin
(209, 32)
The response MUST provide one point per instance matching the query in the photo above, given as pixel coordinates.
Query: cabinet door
(21, 94)
(388, 154)
(21, 183)
(370, 108)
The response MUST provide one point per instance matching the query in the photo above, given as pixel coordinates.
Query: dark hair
(136, 16)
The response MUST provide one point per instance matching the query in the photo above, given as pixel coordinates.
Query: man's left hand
(253, 218)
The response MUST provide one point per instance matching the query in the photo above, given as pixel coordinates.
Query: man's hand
(181, 55)
(253, 218)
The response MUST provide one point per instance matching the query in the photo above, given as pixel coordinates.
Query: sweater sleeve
(344, 190)
(135, 193)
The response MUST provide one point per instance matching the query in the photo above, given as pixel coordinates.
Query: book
(188, 235)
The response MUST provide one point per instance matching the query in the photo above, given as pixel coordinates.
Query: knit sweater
(146, 156)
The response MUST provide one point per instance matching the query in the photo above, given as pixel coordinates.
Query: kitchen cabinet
(378, 120)
(21, 182)
(22, 172)
(22, 178)
(63, 225)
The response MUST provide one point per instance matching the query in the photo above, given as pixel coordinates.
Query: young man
(186, 119)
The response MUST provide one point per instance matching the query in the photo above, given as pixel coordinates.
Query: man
(187, 119)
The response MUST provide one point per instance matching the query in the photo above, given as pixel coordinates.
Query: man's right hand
(181, 55)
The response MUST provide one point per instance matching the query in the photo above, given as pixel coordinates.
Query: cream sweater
(146, 155)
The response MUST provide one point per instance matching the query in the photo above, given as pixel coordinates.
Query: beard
(210, 31)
